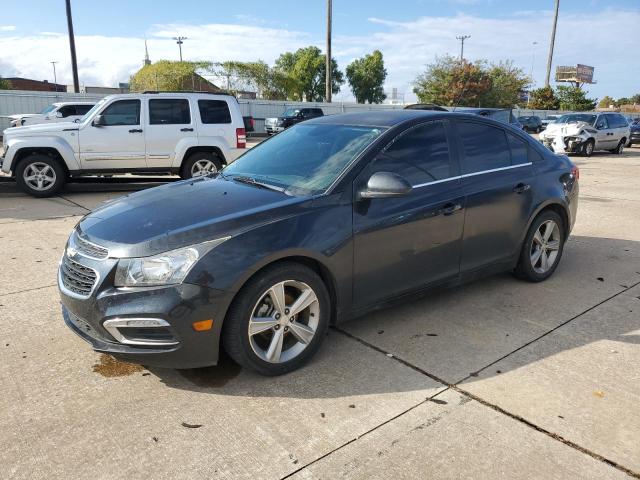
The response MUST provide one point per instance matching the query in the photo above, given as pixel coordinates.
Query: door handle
(186, 129)
(135, 130)
(449, 208)
(521, 188)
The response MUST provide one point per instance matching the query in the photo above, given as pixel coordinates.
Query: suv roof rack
(221, 92)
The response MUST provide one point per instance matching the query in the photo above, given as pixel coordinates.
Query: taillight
(252, 122)
(241, 138)
(575, 171)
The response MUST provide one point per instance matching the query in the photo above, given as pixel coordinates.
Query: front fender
(17, 144)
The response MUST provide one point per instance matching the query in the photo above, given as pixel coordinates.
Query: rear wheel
(278, 320)
(200, 164)
(542, 248)
(589, 146)
(40, 175)
(620, 148)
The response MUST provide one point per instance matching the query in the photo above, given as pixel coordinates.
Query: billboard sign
(580, 73)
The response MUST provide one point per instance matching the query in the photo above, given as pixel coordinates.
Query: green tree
(449, 81)
(574, 98)
(366, 77)
(507, 85)
(267, 82)
(635, 99)
(622, 101)
(166, 75)
(304, 74)
(606, 102)
(5, 84)
(544, 99)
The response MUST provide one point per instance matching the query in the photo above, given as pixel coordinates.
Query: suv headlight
(167, 268)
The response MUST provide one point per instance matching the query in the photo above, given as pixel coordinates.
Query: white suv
(189, 134)
(56, 112)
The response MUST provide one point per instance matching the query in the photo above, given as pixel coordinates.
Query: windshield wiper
(253, 181)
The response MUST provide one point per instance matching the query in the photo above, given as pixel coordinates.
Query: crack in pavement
(28, 290)
(74, 203)
(461, 391)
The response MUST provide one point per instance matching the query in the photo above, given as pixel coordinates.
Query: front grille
(89, 249)
(77, 278)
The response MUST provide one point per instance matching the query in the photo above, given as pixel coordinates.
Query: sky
(410, 33)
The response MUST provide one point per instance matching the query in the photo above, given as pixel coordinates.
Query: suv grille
(89, 249)
(77, 278)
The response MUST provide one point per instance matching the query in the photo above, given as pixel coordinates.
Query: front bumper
(563, 144)
(273, 129)
(177, 306)
(634, 138)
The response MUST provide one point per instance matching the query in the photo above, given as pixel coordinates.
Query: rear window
(214, 111)
(169, 111)
(484, 147)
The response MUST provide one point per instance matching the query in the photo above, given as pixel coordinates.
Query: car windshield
(577, 117)
(48, 109)
(291, 112)
(305, 159)
(97, 106)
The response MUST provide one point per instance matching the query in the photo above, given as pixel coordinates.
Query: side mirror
(385, 185)
(99, 121)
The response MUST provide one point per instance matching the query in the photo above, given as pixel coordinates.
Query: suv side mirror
(99, 121)
(385, 185)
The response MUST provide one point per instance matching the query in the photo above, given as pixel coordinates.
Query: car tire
(254, 310)
(588, 148)
(200, 164)
(542, 249)
(40, 175)
(620, 148)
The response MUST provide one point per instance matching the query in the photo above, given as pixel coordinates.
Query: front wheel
(589, 146)
(542, 248)
(40, 175)
(278, 320)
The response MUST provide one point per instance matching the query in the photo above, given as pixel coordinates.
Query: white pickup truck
(54, 113)
(189, 134)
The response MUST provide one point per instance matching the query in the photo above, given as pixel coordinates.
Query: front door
(605, 138)
(119, 143)
(407, 242)
(170, 122)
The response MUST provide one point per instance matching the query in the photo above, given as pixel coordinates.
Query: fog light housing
(141, 331)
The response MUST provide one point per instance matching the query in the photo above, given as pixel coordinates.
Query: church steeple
(146, 54)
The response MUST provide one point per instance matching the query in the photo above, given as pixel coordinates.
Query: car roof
(60, 104)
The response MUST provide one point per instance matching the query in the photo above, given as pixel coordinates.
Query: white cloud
(7, 28)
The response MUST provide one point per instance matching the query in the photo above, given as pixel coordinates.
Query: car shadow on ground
(419, 330)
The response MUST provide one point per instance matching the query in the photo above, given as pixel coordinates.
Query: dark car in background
(290, 117)
(326, 221)
(634, 138)
(531, 123)
(426, 106)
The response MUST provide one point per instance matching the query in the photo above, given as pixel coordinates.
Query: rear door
(216, 122)
(498, 181)
(170, 121)
(407, 242)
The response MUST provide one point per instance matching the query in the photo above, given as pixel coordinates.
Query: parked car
(504, 115)
(327, 220)
(56, 112)
(531, 123)
(549, 119)
(585, 133)
(289, 117)
(634, 137)
(189, 134)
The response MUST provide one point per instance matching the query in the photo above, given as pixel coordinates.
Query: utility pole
(72, 46)
(55, 77)
(180, 41)
(462, 38)
(328, 64)
(553, 41)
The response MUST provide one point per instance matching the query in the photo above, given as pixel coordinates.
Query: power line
(462, 38)
(72, 46)
(328, 63)
(180, 41)
(551, 44)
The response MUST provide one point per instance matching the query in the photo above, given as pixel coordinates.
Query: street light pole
(180, 41)
(551, 44)
(533, 59)
(328, 63)
(72, 46)
(55, 77)
(462, 38)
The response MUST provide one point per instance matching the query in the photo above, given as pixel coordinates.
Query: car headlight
(167, 268)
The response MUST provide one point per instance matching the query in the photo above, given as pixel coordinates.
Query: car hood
(18, 116)
(39, 129)
(573, 128)
(185, 213)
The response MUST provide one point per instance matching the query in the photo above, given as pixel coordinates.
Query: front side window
(169, 111)
(484, 147)
(305, 159)
(420, 155)
(214, 111)
(122, 112)
(83, 109)
(602, 123)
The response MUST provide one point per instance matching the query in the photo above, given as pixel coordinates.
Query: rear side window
(420, 155)
(519, 150)
(122, 112)
(67, 110)
(214, 111)
(169, 111)
(484, 147)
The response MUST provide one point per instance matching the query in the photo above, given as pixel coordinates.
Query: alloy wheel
(284, 321)
(39, 176)
(588, 148)
(545, 246)
(203, 167)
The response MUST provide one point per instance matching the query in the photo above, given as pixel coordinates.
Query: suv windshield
(577, 117)
(93, 109)
(291, 112)
(48, 109)
(305, 159)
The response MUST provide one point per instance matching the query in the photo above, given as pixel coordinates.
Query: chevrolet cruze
(328, 220)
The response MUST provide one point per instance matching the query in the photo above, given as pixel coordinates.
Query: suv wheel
(40, 175)
(278, 320)
(199, 164)
(620, 148)
(542, 248)
(587, 149)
